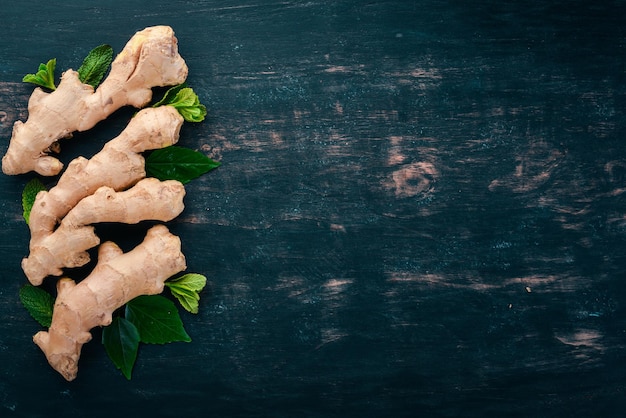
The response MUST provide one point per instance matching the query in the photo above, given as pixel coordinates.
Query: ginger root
(67, 246)
(109, 187)
(149, 59)
(117, 278)
(118, 165)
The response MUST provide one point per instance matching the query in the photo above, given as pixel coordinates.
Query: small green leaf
(192, 281)
(178, 163)
(156, 319)
(95, 65)
(185, 101)
(188, 299)
(44, 77)
(29, 194)
(188, 105)
(39, 304)
(170, 95)
(121, 342)
(186, 289)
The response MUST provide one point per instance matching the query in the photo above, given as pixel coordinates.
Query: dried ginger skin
(118, 165)
(149, 59)
(149, 199)
(117, 278)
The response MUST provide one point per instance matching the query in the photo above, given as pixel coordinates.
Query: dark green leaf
(95, 65)
(39, 304)
(156, 319)
(178, 163)
(186, 289)
(29, 194)
(121, 342)
(44, 77)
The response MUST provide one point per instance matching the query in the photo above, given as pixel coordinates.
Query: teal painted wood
(420, 209)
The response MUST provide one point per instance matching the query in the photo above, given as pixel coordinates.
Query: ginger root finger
(117, 278)
(149, 59)
(118, 165)
(149, 199)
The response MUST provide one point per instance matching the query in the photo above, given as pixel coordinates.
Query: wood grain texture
(420, 210)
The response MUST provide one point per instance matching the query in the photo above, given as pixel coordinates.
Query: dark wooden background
(420, 212)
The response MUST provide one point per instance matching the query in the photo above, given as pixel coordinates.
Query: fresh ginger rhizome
(111, 186)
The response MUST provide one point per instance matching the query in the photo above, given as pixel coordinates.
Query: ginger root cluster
(109, 187)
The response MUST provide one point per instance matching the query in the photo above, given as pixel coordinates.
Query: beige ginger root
(149, 59)
(117, 278)
(118, 165)
(109, 187)
(67, 246)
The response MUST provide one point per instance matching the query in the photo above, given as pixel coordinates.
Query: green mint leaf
(156, 319)
(44, 77)
(185, 101)
(39, 304)
(121, 342)
(191, 281)
(188, 105)
(95, 65)
(170, 95)
(178, 163)
(188, 299)
(29, 194)
(195, 113)
(186, 288)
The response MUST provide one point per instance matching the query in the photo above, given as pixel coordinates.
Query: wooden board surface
(420, 210)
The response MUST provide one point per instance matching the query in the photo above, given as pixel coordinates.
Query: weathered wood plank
(420, 209)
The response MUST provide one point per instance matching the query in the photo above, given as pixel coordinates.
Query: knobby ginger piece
(149, 59)
(118, 165)
(117, 278)
(67, 246)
